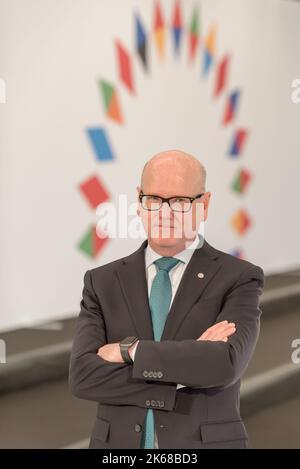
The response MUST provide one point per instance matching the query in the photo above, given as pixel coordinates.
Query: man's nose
(165, 210)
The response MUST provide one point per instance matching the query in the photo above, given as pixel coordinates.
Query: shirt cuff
(133, 350)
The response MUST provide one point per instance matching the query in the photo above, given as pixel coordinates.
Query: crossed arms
(202, 363)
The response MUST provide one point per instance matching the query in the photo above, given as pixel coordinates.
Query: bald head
(172, 174)
(173, 171)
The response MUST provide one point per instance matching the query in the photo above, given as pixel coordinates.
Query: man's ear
(207, 199)
(208, 196)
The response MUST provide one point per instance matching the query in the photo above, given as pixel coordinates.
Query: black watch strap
(125, 344)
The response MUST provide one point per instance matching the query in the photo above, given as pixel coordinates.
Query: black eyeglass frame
(167, 199)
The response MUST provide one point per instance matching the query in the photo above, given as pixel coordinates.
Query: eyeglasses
(177, 204)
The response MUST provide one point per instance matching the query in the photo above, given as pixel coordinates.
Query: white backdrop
(53, 52)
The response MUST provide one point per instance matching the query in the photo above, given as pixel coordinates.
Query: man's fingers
(218, 334)
(219, 325)
(223, 335)
(222, 328)
(224, 331)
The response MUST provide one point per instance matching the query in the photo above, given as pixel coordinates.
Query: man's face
(166, 227)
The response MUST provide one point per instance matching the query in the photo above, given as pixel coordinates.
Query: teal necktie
(160, 299)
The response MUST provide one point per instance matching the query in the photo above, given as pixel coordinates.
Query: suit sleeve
(207, 364)
(133, 355)
(96, 379)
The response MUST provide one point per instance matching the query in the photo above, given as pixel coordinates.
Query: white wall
(51, 54)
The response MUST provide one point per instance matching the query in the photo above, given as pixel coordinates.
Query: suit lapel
(133, 281)
(132, 277)
(191, 287)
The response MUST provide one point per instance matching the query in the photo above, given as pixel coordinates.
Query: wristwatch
(125, 344)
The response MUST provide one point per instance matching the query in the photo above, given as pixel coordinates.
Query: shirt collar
(184, 256)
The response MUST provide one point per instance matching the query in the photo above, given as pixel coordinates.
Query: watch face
(128, 340)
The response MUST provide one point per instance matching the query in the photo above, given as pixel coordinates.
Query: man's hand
(111, 352)
(220, 331)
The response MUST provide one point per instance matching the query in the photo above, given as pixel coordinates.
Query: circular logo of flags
(93, 189)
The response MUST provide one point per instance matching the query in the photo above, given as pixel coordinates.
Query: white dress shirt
(175, 277)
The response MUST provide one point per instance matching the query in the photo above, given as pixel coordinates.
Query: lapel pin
(200, 275)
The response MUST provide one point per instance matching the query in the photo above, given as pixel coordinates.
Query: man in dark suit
(165, 334)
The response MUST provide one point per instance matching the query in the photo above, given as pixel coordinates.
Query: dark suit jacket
(205, 414)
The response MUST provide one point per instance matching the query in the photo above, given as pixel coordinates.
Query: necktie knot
(166, 263)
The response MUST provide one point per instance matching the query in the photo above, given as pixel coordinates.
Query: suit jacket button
(148, 403)
(162, 403)
(145, 374)
(159, 374)
(154, 374)
(150, 374)
(138, 427)
(153, 403)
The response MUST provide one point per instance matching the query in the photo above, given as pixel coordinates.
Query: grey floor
(48, 417)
